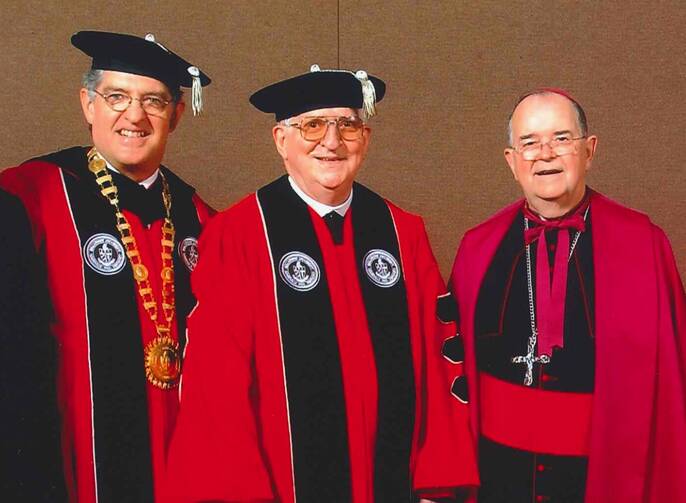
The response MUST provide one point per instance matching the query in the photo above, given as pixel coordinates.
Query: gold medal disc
(163, 362)
(167, 274)
(140, 272)
(97, 165)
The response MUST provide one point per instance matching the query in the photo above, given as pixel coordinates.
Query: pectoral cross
(529, 359)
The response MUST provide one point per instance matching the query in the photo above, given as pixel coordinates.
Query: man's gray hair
(90, 81)
(92, 78)
(581, 120)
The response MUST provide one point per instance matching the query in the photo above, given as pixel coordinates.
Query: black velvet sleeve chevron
(459, 389)
(453, 348)
(447, 312)
(446, 308)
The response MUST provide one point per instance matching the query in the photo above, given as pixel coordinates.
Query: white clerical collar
(147, 183)
(320, 208)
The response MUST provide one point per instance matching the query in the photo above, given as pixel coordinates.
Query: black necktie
(335, 223)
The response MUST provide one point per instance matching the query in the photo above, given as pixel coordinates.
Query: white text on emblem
(104, 254)
(299, 271)
(382, 268)
(188, 251)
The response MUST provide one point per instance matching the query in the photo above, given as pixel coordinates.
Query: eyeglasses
(315, 128)
(119, 102)
(561, 145)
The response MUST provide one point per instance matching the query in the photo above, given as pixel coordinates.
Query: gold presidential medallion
(163, 362)
(162, 355)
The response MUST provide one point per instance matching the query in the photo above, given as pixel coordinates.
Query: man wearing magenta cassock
(572, 313)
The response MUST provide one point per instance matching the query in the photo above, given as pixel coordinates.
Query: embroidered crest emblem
(299, 271)
(188, 251)
(104, 254)
(382, 268)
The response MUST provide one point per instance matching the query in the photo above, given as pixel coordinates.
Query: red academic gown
(30, 455)
(637, 435)
(116, 426)
(232, 442)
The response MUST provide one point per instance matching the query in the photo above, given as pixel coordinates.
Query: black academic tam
(316, 89)
(140, 56)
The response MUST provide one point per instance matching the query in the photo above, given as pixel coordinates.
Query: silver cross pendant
(529, 359)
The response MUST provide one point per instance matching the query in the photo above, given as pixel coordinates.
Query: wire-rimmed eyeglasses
(530, 149)
(315, 128)
(119, 102)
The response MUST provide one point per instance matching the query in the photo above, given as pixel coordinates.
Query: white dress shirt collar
(145, 183)
(320, 208)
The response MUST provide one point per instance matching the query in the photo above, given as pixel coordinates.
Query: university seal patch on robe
(111, 428)
(310, 349)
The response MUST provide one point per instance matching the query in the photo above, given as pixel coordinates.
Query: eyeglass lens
(563, 146)
(314, 128)
(119, 102)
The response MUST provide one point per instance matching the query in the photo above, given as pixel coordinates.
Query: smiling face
(132, 141)
(552, 184)
(324, 169)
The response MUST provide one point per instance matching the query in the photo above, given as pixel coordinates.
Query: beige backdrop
(453, 70)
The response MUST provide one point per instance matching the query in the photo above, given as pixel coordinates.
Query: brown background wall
(453, 71)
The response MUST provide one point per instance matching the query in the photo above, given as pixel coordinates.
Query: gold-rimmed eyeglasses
(315, 128)
(530, 149)
(119, 102)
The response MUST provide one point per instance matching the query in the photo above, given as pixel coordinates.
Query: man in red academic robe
(117, 235)
(313, 367)
(30, 454)
(572, 314)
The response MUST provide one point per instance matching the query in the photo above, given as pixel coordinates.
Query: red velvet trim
(534, 420)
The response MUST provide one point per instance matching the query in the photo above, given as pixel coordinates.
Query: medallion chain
(162, 362)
